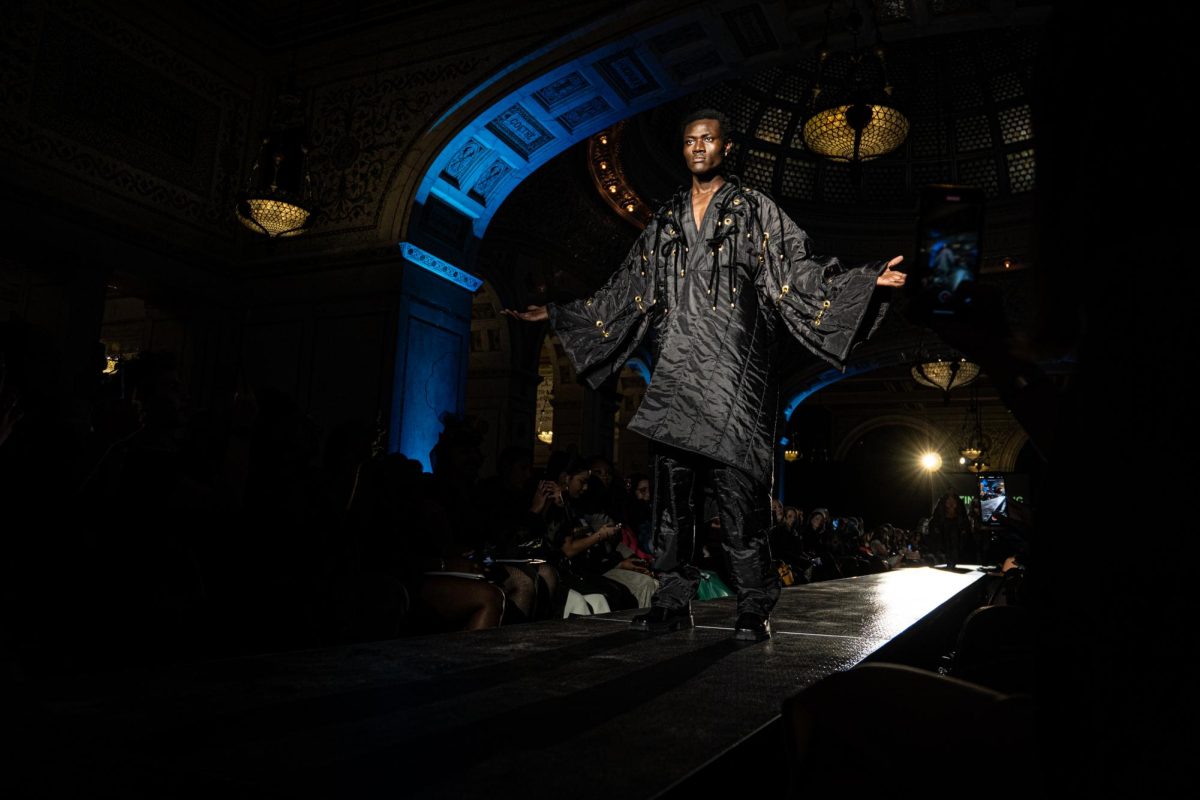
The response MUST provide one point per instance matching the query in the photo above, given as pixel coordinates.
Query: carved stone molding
(90, 100)
(360, 130)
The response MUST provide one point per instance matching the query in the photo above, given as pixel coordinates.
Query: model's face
(704, 146)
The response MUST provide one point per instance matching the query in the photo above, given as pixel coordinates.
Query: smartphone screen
(949, 237)
(993, 499)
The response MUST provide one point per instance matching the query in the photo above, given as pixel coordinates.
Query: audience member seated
(584, 549)
(949, 530)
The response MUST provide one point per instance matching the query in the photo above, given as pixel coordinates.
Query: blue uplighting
(639, 365)
(826, 378)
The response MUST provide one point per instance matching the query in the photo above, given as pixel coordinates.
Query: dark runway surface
(575, 708)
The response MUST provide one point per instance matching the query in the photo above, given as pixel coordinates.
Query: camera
(949, 240)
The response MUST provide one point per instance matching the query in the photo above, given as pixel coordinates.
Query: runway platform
(579, 708)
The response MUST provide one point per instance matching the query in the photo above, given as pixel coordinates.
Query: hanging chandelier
(277, 201)
(544, 422)
(858, 120)
(945, 374)
(974, 443)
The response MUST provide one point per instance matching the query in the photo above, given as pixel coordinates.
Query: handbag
(785, 573)
(711, 587)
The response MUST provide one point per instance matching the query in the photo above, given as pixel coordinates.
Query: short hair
(727, 129)
(565, 461)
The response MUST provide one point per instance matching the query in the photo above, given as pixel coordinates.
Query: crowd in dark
(822, 546)
(187, 534)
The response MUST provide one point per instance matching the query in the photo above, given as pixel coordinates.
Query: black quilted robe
(714, 304)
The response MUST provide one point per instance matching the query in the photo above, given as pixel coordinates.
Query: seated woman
(408, 562)
(585, 551)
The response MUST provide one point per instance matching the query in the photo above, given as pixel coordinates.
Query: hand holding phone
(949, 242)
(546, 492)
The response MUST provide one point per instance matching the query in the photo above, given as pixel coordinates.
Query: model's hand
(530, 314)
(891, 277)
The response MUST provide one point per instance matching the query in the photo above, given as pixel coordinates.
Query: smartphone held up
(942, 279)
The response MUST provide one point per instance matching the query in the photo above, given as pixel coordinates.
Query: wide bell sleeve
(599, 333)
(828, 305)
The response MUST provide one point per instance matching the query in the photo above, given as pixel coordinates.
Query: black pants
(744, 507)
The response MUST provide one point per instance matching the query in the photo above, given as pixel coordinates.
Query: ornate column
(432, 349)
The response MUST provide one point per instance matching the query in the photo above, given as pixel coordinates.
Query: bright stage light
(931, 461)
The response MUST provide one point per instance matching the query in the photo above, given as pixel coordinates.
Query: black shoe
(659, 619)
(752, 628)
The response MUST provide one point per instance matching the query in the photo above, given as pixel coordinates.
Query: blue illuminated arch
(677, 53)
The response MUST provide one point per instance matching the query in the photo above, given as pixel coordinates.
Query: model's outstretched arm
(530, 314)
(600, 332)
(892, 278)
(824, 302)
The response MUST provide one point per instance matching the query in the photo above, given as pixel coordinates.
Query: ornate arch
(934, 433)
(455, 177)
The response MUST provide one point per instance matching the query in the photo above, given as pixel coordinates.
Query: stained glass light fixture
(544, 424)
(945, 374)
(974, 443)
(277, 201)
(857, 119)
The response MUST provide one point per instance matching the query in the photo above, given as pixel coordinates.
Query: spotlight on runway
(931, 461)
